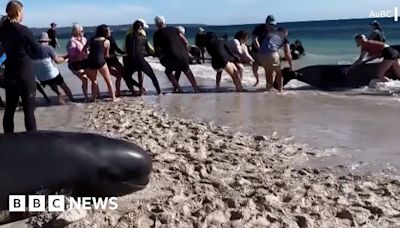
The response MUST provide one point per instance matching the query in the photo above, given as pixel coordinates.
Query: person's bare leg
(92, 75)
(106, 75)
(269, 76)
(218, 79)
(230, 68)
(174, 82)
(84, 78)
(59, 95)
(396, 67)
(240, 69)
(279, 78)
(118, 75)
(192, 81)
(67, 91)
(383, 68)
(255, 72)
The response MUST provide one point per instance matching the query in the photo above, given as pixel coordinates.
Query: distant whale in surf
(85, 164)
(328, 77)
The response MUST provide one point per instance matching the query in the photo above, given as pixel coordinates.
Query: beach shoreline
(205, 175)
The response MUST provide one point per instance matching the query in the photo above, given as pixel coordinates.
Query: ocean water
(325, 41)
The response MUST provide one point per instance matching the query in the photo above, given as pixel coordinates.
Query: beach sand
(211, 175)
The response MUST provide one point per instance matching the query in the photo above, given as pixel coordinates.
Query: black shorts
(172, 65)
(59, 80)
(390, 53)
(77, 66)
(113, 61)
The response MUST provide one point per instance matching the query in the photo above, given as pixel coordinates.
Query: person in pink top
(376, 50)
(78, 57)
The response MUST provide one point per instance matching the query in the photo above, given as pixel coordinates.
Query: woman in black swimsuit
(99, 48)
(222, 60)
(114, 65)
(20, 46)
(136, 45)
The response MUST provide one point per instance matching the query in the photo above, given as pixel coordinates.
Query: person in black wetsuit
(377, 33)
(136, 44)
(20, 46)
(200, 42)
(52, 33)
(98, 52)
(114, 65)
(173, 50)
(222, 59)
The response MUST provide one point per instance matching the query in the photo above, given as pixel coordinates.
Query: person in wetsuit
(297, 49)
(114, 65)
(173, 50)
(20, 45)
(52, 33)
(377, 33)
(259, 33)
(98, 52)
(136, 44)
(200, 42)
(222, 59)
(2, 59)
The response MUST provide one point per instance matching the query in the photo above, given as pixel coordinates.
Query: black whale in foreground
(85, 164)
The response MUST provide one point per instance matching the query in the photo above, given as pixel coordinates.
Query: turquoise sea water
(320, 38)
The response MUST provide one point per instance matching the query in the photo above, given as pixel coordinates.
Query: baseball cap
(145, 25)
(159, 20)
(375, 22)
(270, 20)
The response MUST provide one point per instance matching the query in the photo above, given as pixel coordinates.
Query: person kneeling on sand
(222, 60)
(47, 72)
(375, 50)
(270, 58)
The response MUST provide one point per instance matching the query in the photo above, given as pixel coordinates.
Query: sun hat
(44, 37)
(271, 20)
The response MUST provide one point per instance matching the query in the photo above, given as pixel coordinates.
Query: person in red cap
(53, 36)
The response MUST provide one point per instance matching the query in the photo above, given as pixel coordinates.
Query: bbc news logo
(57, 203)
(391, 13)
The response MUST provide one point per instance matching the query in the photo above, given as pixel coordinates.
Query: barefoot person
(173, 50)
(99, 48)
(374, 50)
(114, 65)
(45, 70)
(222, 60)
(259, 33)
(77, 57)
(238, 47)
(135, 43)
(18, 41)
(270, 58)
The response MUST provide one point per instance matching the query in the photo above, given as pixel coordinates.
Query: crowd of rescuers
(29, 58)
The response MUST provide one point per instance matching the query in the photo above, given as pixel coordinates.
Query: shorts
(270, 61)
(172, 65)
(256, 56)
(390, 53)
(59, 80)
(77, 66)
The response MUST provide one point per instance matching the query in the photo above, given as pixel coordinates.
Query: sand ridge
(213, 176)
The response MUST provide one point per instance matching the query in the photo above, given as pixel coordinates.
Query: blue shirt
(272, 43)
(43, 66)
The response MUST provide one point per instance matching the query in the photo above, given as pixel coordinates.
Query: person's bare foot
(61, 100)
(256, 84)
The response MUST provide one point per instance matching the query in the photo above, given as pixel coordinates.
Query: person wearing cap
(52, 33)
(259, 33)
(200, 42)
(20, 45)
(377, 33)
(172, 48)
(270, 58)
(45, 70)
(375, 50)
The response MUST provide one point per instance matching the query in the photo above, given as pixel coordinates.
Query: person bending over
(238, 47)
(114, 65)
(374, 50)
(45, 70)
(173, 50)
(221, 60)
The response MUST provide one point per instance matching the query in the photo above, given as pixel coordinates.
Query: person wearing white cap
(172, 48)
(45, 70)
